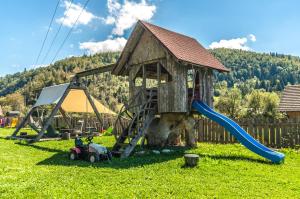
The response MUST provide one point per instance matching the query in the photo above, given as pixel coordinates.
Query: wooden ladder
(137, 127)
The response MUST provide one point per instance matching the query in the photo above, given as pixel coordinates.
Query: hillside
(30, 82)
(271, 72)
(248, 70)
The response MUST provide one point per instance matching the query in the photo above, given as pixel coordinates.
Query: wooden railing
(276, 134)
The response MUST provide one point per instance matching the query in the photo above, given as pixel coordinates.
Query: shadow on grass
(40, 147)
(235, 157)
(61, 159)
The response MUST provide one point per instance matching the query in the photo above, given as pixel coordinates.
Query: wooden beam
(35, 128)
(144, 76)
(94, 71)
(201, 90)
(65, 117)
(204, 85)
(208, 88)
(211, 89)
(158, 73)
(144, 83)
(158, 82)
(93, 106)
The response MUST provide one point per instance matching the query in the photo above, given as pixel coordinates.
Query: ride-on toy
(90, 151)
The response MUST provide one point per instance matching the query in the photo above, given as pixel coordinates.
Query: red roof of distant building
(185, 48)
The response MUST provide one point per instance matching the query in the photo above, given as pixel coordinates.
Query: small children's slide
(240, 134)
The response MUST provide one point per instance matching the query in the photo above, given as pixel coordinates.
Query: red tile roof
(184, 48)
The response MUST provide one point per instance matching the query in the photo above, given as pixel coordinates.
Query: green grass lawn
(42, 170)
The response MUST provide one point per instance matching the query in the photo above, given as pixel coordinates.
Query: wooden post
(272, 135)
(208, 96)
(93, 106)
(200, 130)
(222, 136)
(158, 83)
(204, 82)
(266, 135)
(65, 117)
(261, 134)
(201, 90)
(209, 130)
(291, 133)
(144, 76)
(144, 83)
(211, 89)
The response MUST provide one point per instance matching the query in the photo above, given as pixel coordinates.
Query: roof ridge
(151, 24)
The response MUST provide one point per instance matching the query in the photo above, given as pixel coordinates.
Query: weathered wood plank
(277, 135)
(266, 135)
(200, 130)
(272, 136)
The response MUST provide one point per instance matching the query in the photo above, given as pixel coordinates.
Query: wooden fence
(275, 134)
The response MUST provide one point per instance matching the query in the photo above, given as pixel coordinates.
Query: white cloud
(252, 37)
(237, 43)
(125, 15)
(122, 16)
(71, 13)
(109, 45)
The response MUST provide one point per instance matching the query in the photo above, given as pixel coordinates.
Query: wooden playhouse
(166, 72)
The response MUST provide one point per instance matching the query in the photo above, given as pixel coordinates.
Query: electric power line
(69, 33)
(54, 38)
(37, 60)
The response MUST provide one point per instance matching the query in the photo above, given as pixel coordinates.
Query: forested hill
(248, 69)
(271, 72)
(111, 90)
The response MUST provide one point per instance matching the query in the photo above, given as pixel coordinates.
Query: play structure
(166, 72)
(64, 98)
(170, 81)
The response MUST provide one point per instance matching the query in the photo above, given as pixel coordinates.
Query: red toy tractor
(90, 151)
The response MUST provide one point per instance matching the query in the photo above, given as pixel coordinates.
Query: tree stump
(66, 136)
(191, 160)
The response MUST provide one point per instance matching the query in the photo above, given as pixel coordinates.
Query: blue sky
(104, 25)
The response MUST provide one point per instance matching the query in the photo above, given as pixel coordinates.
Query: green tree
(230, 102)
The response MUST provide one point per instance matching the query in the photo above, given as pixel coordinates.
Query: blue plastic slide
(240, 134)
